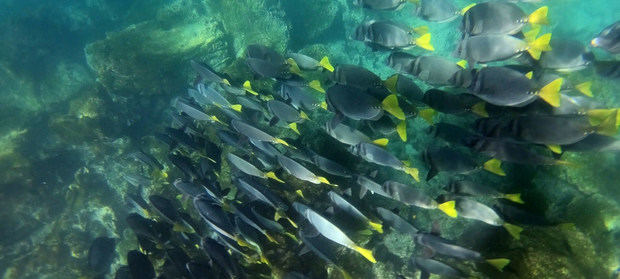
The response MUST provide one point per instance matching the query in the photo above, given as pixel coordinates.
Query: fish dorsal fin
(464, 10)
(381, 142)
(514, 198)
(325, 64)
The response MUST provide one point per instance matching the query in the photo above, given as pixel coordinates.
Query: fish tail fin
(303, 115)
(448, 208)
(292, 236)
(365, 253)
(428, 114)
(609, 125)
(293, 67)
(300, 193)
(514, 198)
(420, 30)
(273, 176)
(415, 173)
(585, 88)
(551, 92)
(390, 83)
(381, 142)
(539, 16)
(248, 87)
(464, 10)
(270, 238)
(529, 74)
(291, 221)
(316, 85)
(494, 166)
(424, 42)
(462, 64)
(264, 260)
(241, 242)
(513, 230)
(376, 226)
(555, 148)
(225, 81)
(324, 105)
(236, 107)
(537, 46)
(283, 142)
(325, 181)
(390, 104)
(326, 64)
(401, 129)
(277, 216)
(480, 109)
(499, 263)
(293, 127)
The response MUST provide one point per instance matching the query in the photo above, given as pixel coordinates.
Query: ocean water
(90, 125)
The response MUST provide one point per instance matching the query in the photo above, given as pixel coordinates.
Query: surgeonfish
(498, 47)
(497, 17)
(471, 209)
(380, 156)
(412, 196)
(387, 34)
(381, 5)
(255, 133)
(566, 56)
(299, 171)
(430, 266)
(351, 211)
(437, 10)
(472, 188)
(609, 38)
(249, 169)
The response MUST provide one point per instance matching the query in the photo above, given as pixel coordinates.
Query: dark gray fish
(244, 215)
(217, 253)
(510, 151)
(448, 160)
(244, 166)
(377, 155)
(435, 267)
(140, 266)
(351, 211)
(385, 34)
(185, 165)
(179, 260)
(230, 138)
(381, 5)
(405, 88)
(499, 17)
(101, 253)
(353, 103)
(498, 47)
(254, 133)
(503, 86)
(609, 38)
(551, 129)
(434, 70)
(366, 184)
(214, 216)
(444, 247)
(608, 69)
(147, 159)
(318, 244)
(123, 272)
(401, 61)
(264, 53)
(198, 270)
(153, 230)
(566, 56)
(191, 111)
(396, 222)
(594, 143)
(136, 179)
(450, 133)
(408, 195)
(437, 10)
(206, 73)
(299, 171)
(360, 78)
(450, 103)
(330, 166)
(165, 208)
(299, 97)
(284, 112)
(268, 69)
(346, 134)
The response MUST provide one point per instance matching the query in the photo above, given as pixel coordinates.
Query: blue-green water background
(84, 82)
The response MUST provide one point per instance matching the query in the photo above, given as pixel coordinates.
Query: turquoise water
(85, 84)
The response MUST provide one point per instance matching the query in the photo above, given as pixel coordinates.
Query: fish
(101, 253)
(498, 47)
(321, 246)
(255, 133)
(286, 113)
(566, 56)
(331, 231)
(377, 155)
(609, 38)
(166, 209)
(607, 69)
(468, 187)
(140, 266)
(451, 133)
(122, 272)
(471, 209)
(245, 215)
(249, 169)
(210, 94)
(387, 34)
(330, 166)
(345, 206)
(497, 17)
(350, 136)
(268, 69)
(437, 10)
(305, 62)
(396, 222)
(434, 70)
(298, 96)
(207, 74)
(198, 270)
(404, 87)
(136, 179)
(510, 151)
(299, 171)
(594, 143)
(449, 103)
(381, 5)
(193, 112)
(185, 165)
(251, 236)
(147, 159)
(503, 86)
(412, 196)
(360, 78)
(352, 103)
(446, 159)
(153, 230)
(430, 266)
(179, 259)
(188, 188)
(215, 217)
(444, 247)
(218, 255)
(366, 184)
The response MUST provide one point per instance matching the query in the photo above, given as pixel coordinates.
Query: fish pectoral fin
(499, 263)
(401, 129)
(539, 16)
(390, 104)
(550, 93)
(513, 230)
(514, 198)
(448, 208)
(365, 253)
(273, 176)
(494, 166)
(325, 64)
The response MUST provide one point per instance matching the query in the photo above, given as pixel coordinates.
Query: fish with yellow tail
(471, 209)
(377, 155)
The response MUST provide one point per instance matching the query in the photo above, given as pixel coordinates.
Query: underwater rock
(310, 19)
(151, 57)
